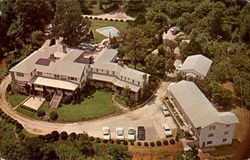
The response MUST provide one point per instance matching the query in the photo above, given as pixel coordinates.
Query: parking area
(150, 116)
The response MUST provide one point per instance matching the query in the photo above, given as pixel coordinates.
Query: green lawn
(15, 98)
(121, 26)
(100, 105)
(26, 112)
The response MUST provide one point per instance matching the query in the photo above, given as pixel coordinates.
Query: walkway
(149, 116)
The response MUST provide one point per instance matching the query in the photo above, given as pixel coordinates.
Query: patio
(34, 102)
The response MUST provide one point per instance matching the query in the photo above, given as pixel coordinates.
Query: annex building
(210, 127)
(60, 70)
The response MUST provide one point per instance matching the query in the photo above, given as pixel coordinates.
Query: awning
(55, 83)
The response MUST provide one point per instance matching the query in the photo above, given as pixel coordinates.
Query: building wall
(221, 131)
(198, 75)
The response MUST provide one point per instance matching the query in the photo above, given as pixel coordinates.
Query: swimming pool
(108, 31)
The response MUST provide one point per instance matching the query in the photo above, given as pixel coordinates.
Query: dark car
(141, 133)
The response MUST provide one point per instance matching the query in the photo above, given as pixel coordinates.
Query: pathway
(115, 15)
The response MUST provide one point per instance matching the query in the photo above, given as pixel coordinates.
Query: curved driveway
(150, 116)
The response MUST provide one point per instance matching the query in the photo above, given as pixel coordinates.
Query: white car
(106, 133)
(165, 110)
(167, 130)
(131, 133)
(120, 133)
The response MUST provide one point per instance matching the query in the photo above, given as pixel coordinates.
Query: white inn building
(60, 71)
(210, 127)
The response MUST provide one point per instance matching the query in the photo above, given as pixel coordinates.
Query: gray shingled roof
(198, 63)
(197, 107)
(63, 66)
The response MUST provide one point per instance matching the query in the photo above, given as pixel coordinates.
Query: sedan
(141, 133)
(131, 133)
(167, 130)
(120, 133)
(106, 133)
(165, 110)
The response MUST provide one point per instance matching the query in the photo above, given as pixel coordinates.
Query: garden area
(15, 98)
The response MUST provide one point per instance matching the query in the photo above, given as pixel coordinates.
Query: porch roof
(55, 83)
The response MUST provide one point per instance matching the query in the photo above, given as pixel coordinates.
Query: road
(149, 116)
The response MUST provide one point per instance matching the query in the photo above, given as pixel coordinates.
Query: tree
(135, 44)
(55, 135)
(220, 95)
(140, 19)
(133, 7)
(69, 23)
(64, 135)
(41, 113)
(53, 115)
(118, 152)
(126, 96)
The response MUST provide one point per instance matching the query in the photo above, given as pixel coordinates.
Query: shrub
(95, 18)
(98, 140)
(111, 19)
(132, 143)
(64, 135)
(125, 142)
(9, 88)
(112, 141)
(91, 138)
(41, 137)
(19, 126)
(100, 18)
(53, 115)
(40, 113)
(67, 99)
(72, 136)
(90, 17)
(172, 141)
(118, 141)
(121, 20)
(158, 143)
(55, 135)
(105, 141)
(47, 137)
(116, 20)
(48, 97)
(139, 143)
(152, 144)
(145, 144)
(165, 142)
(106, 19)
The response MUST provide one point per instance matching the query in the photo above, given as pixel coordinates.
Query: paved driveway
(149, 116)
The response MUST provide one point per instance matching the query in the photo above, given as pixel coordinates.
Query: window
(19, 74)
(209, 142)
(210, 135)
(212, 127)
(96, 70)
(107, 72)
(113, 72)
(125, 78)
(225, 133)
(138, 83)
(121, 77)
(39, 73)
(224, 140)
(228, 125)
(133, 81)
(56, 76)
(91, 69)
(72, 78)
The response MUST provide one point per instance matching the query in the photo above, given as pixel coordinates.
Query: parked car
(167, 130)
(141, 133)
(131, 133)
(106, 133)
(120, 133)
(165, 110)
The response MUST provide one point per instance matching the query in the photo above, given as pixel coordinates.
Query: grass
(26, 112)
(121, 26)
(100, 105)
(15, 98)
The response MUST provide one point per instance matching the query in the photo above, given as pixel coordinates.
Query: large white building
(60, 70)
(212, 128)
(195, 66)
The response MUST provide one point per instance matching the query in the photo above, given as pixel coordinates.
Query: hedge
(172, 141)
(145, 144)
(165, 142)
(152, 144)
(139, 143)
(158, 143)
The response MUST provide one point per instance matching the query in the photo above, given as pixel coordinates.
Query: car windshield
(131, 131)
(120, 132)
(167, 129)
(164, 108)
(105, 132)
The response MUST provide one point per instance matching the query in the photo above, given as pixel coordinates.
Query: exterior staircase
(56, 99)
